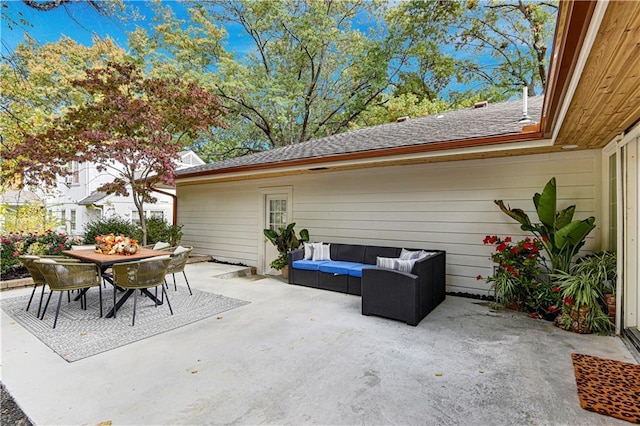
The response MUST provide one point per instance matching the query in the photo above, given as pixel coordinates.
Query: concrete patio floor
(297, 355)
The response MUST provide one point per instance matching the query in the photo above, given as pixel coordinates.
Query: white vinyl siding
(221, 220)
(447, 206)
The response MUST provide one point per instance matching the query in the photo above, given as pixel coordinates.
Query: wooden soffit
(607, 98)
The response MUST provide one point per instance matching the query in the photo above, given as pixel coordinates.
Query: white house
(77, 201)
(430, 182)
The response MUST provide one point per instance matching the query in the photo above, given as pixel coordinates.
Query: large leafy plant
(285, 240)
(561, 235)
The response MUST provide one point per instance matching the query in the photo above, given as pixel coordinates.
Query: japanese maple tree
(129, 125)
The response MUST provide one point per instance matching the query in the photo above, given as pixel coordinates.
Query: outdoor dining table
(105, 261)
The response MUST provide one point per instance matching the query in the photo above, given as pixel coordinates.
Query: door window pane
(277, 213)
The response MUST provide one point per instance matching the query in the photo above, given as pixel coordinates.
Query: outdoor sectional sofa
(389, 293)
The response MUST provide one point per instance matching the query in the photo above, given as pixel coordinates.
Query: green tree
(37, 85)
(308, 72)
(129, 125)
(511, 36)
(424, 29)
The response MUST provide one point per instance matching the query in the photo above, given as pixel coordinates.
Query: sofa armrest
(431, 273)
(292, 256)
(391, 294)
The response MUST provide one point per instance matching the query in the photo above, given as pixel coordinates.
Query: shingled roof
(492, 120)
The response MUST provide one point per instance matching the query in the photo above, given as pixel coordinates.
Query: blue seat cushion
(356, 271)
(337, 267)
(308, 265)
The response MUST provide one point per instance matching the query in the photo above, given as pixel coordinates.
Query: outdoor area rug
(82, 333)
(608, 387)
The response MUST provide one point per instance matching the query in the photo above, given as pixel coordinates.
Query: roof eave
(484, 143)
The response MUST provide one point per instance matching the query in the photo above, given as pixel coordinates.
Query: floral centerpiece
(116, 244)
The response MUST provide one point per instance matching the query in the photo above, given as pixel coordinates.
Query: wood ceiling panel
(607, 99)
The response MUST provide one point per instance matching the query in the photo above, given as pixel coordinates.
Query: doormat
(608, 387)
(82, 333)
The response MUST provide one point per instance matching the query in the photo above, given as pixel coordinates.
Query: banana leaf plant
(285, 240)
(562, 236)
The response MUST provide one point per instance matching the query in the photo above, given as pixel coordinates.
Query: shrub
(28, 218)
(112, 225)
(159, 230)
(519, 278)
(17, 244)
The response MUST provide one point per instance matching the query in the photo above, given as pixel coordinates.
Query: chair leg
(41, 297)
(168, 303)
(44, 311)
(135, 301)
(188, 286)
(31, 298)
(156, 297)
(175, 287)
(55, 321)
(100, 292)
(114, 301)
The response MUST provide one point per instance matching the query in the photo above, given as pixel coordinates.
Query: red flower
(533, 315)
(552, 309)
(490, 239)
(544, 239)
(512, 271)
(501, 247)
(515, 250)
(568, 301)
(479, 277)
(556, 289)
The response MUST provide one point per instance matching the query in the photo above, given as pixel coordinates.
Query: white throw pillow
(308, 251)
(424, 254)
(408, 255)
(161, 245)
(405, 265)
(153, 259)
(386, 262)
(321, 251)
(179, 250)
(87, 247)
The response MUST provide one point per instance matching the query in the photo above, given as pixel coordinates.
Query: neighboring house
(430, 182)
(77, 201)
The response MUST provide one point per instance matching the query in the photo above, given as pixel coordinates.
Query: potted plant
(285, 240)
(583, 289)
(562, 236)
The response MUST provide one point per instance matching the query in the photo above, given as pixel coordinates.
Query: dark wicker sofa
(407, 297)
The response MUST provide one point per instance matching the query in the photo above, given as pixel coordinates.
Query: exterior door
(277, 216)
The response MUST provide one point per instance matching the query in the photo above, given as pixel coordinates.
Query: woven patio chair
(29, 262)
(178, 262)
(140, 275)
(64, 275)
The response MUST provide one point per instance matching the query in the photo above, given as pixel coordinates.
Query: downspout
(175, 201)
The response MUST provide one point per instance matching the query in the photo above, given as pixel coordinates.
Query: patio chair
(140, 275)
(64, 275)
(178, 262)
(29, 262)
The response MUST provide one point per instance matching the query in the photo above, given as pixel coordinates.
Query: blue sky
(50, 26)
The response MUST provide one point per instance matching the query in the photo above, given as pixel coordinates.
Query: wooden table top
(111, 259)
